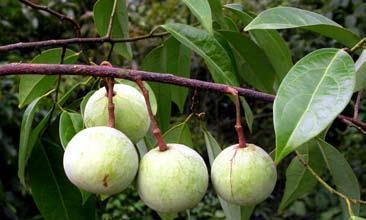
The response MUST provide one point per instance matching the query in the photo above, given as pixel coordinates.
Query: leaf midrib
(312, 97)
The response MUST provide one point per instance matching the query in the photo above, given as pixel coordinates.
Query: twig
(103, 71)
(109, 30)
(59, 15)
(328, 187)
(238, 125)
(357, 105)
(156, 131)
(109, 84)
(65, 42)
(358, 45)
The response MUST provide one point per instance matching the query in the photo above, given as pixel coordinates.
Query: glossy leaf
(154, 62)
(299, 181)
(263, 73)
(177, 61)
(201, 9)
(342, 174)
(217, 14)
(205, 45)
(33, 86)
(247, 113)
(361, 72)
(287, 17)
(102, 12)
(69, 125)
(25, 147)
(270, 41)
(179, 134)
(310, 97)
(48, 180)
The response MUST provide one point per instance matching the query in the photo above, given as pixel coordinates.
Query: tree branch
(59, 15)
(104, 71)
(65, 42)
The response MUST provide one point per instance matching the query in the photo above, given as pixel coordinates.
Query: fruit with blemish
(243, 176)
(129, 108)
(172, 180)
(101, 160)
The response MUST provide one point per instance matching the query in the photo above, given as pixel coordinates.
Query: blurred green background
(19, 23)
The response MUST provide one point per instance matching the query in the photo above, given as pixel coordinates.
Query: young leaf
(205, 45)
(287, 17)
(217, 14)
(102, 13)
(361, 72)
(25, 148)
(201, 9)
(342, 174)
(69, 125)
(299, 181)
(270, 41)
(263, 73)
(310, 97)
(179, 134)
(55, 197)
(33, 86)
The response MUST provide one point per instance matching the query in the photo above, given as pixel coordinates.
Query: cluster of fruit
(103, 160)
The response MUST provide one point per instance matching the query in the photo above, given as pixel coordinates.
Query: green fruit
(243, 176)
(101, 160)
(129, 108)
(173, 180)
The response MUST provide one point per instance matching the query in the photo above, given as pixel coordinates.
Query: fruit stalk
(109, 84)
(238, 125)
(156, 131)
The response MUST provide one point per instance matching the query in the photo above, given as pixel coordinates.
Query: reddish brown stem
(238, 126)
(156, 131)
(109, 84)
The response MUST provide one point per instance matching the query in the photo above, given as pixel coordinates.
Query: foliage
(208, 40)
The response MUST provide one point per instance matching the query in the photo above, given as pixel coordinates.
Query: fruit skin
(101, 160)
(243, 176)
(173, 180)
(129, 108)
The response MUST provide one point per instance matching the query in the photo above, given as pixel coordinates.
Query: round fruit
(172, 180)
(101, 160)
(243, 176)
(129, 108)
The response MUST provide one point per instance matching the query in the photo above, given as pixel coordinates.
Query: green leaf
(33, 86)
(287, 17)
(154, 62)
(361, 72)
(167, 216)
(263, 73)
(246, 212)
(55, 197)
(247, 113)
(205, 45)
(201, 9)
(342, 174)
(102, 12)
(217, 14)
(179, 134)
(25, 147)
(177, 60)
(310, 97)
(299, 181)
(356, 218)
(69, 125)
(270, 41)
